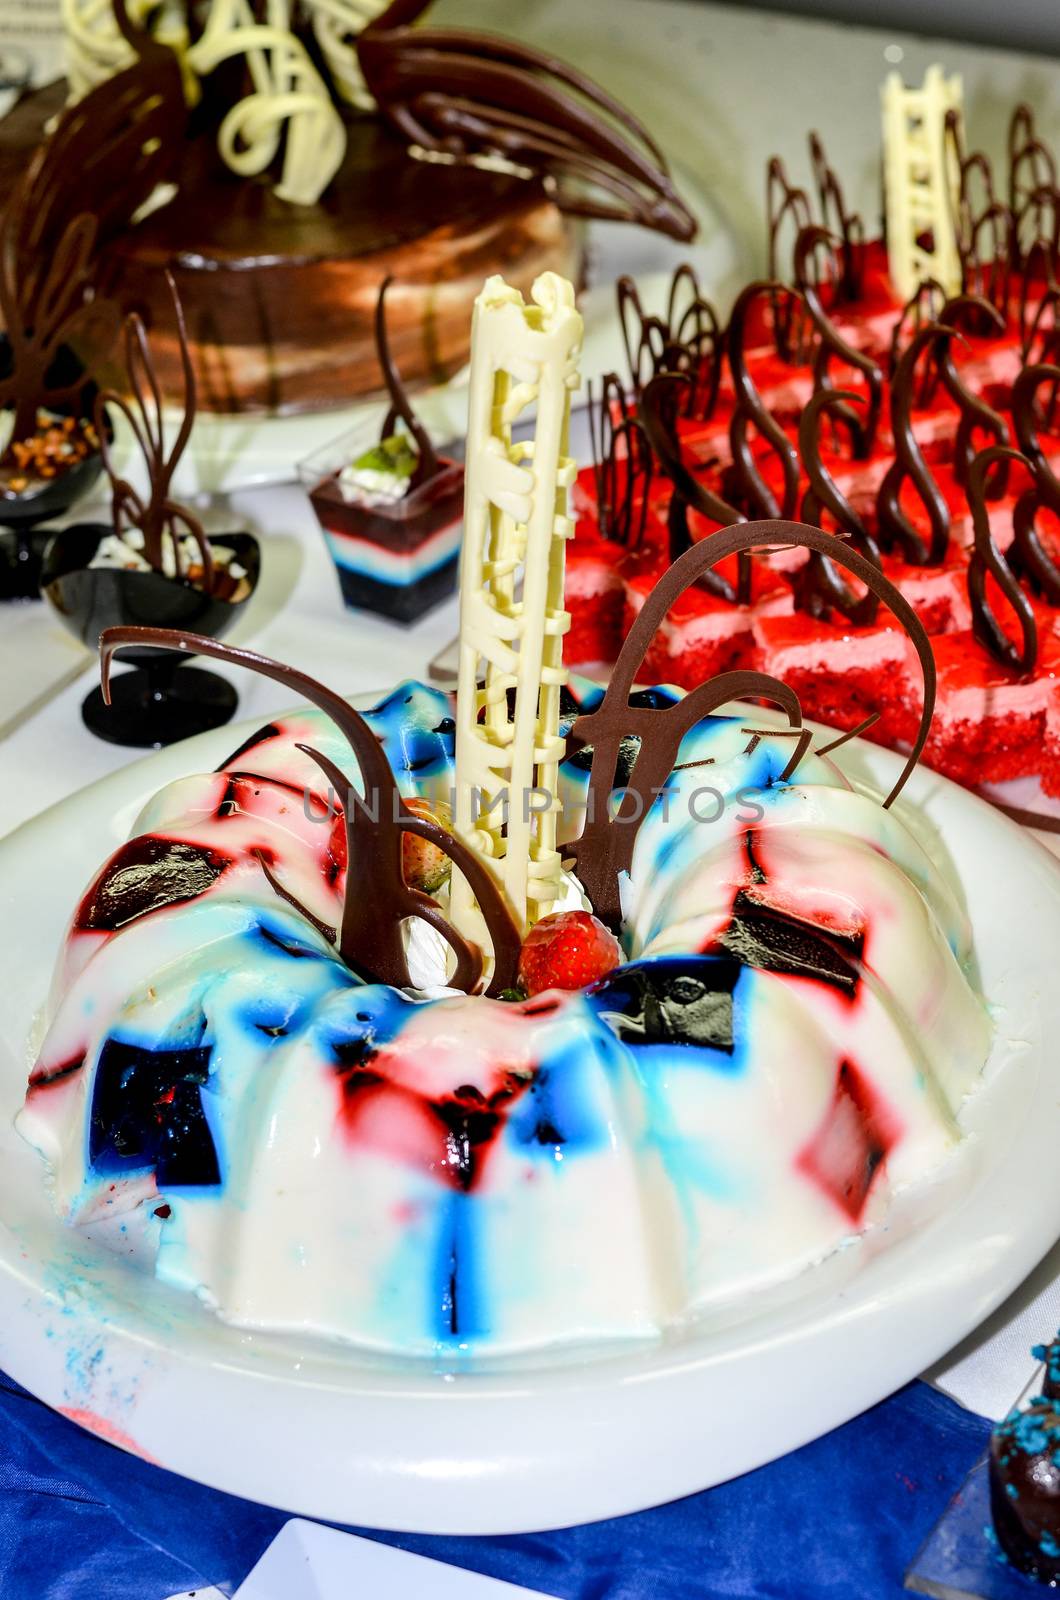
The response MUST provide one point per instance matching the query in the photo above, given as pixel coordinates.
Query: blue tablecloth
(838, 1520)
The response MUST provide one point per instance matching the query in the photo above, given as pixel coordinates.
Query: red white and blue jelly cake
(785, 1042)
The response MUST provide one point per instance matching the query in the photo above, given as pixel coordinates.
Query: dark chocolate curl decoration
(785, 204)
(659, 408)
(837, 219)
(400, 405)
(750, 409)
(623, 465)
(159, 518)
(377, 899)
(831, 343)
(463, 96)
(1031, 165)
(987, 558)
(818, 588)
(893, 524)
(1027, 556)
(605, 848)
(689, 340)
(924, 305)
(976, 414)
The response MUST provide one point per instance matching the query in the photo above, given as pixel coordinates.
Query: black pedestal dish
(160, 701)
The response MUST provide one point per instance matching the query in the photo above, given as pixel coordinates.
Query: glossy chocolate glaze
(1025, 1488)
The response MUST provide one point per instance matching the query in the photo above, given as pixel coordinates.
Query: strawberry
(567, 950)
(423, 865)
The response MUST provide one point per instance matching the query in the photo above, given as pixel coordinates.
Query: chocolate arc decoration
(831, 342)
(161, 517)
(848, 224)
(623, 464)
(654, 345)
(400, 405)
(377, 899)
(470, 97)
(909, 465)
(659, 411)
(1027, 556)
(784, 200)
(987, 558)
(817, 586)
(750, 409)
(985, 274)
(975, 412)
(605, 848)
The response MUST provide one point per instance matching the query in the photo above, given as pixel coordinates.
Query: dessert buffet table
(844, 1515)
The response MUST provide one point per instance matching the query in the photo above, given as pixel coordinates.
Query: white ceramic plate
(334, 1434)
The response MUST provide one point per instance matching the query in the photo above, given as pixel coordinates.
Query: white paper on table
(307, 1561)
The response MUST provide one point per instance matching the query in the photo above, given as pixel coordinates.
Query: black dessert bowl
(160, 700)
(22, 541)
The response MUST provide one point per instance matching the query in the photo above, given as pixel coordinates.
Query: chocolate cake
(1025, 1478)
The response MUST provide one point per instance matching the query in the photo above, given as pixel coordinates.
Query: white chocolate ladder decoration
(515, 524)
(919, 182)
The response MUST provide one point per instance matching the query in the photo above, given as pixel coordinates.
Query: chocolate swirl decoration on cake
(604, 851)
(786, 207)
(1027, 555)
(376, 899)
(1039, 297)
(623, 465)
(752, 491)
(659, 410)
(831, 344)
(976, 414)
(400, 405)
(893, 525)
(924, 305)
(107, 154)
(161, 520)
(986, 559)
(982, 224)
(817, 587)
(838, 220)
(476, 99)
(688, 340)
(1032, 172)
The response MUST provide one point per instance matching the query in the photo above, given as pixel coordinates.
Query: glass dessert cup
(161, 700)
(399, 557)
(22, 546)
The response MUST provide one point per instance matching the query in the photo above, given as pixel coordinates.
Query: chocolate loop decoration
(659, 408)
(475, 99)
(785, 203)
(831, 343)
(1031, 164)
(984, 270)
(159, 518)
(1027, 555)
(400, 406)
(750, 409)
(377, 899)
(894, 527)
(987, 558)
(924, 305)
(605, 848)
(623, 465)
(838, 220)
(689, 341)
(976, 414)
(817, 586)
(1037, 303)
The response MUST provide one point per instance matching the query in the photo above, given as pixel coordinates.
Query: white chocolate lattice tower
(515, 527)
(919, 181)
(288, 92)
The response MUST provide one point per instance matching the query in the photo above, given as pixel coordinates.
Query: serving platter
(503, 1447)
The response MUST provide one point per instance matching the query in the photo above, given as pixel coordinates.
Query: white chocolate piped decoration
(919, 183)
(516, 525)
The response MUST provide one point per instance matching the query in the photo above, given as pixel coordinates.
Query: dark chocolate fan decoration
(400, 405)
(924, 305)
(1027, 556)
(817, 586)
(623, 465)
(377, 900)
(465, 97)
(894, 526)
(838, 220)
(659, 409)
(977, 416)
(1039, 295)
(982, 224)
(986, 559)
(605, 848)
(750, 410)
(160, 519)
(689, 340)
(831, 343)
(1031, 168)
